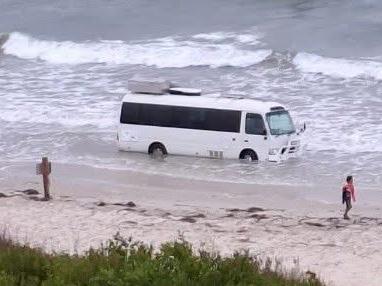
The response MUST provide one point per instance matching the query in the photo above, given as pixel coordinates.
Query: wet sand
(90, 205)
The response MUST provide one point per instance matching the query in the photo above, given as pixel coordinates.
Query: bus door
(255, 134)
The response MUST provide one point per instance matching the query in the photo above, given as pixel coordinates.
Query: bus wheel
(248, 155)
(157, 150)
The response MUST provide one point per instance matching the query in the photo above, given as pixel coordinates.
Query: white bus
(160, 119)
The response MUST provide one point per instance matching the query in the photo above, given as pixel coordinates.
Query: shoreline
(86, 182)
(90, 206)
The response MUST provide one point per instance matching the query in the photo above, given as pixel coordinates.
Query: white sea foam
(65, 117)
(245, 38)
(337, 67)
(68, 112)
(163, 53)
(217, 36)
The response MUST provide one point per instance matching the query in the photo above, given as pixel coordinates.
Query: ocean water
(65, 67)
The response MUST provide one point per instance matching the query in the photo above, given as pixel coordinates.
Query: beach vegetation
(123, 262)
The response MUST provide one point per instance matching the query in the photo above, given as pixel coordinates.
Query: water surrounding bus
(65, 66)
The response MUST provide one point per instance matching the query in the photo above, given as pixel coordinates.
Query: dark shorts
(348, 203)
(345, 197)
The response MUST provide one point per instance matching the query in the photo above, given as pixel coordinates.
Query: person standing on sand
(348, 193)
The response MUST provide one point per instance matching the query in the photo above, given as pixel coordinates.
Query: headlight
(273, 151)
(295, 142)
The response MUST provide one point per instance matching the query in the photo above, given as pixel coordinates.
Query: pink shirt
(350, 188)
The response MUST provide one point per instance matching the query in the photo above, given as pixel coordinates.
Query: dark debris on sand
(128, 204)
(30, 192)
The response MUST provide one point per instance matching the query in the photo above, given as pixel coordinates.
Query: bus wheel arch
(157, 147)
(248, 155)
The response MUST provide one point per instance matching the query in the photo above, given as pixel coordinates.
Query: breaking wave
(218, 49)
(163, 53)
(337, 67)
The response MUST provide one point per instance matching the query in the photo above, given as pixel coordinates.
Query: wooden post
(44, 169)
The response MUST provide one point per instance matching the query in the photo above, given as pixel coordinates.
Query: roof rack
(275, 108)
(159, 87)
(185, 91)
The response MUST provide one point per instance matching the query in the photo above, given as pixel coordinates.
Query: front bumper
(285, 152)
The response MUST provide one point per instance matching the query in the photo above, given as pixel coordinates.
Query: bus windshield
(280, 123)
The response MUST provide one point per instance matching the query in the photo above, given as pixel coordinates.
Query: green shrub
(124, 262)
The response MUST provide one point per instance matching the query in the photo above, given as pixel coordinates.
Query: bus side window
(254, 124)
(197, 118)
(130, 113)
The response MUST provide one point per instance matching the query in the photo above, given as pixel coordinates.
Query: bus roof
(239, 104)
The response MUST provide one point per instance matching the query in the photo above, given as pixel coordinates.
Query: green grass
(124, 262)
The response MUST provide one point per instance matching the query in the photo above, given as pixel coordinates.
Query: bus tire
(248, 155)
(157, 149)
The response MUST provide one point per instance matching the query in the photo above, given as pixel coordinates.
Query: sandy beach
(65, 68)
(90, 205)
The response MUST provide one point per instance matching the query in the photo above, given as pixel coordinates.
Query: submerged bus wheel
(248, 155)
(157, 150)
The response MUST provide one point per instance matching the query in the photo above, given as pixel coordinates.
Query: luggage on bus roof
(160, 87)
(148, 86)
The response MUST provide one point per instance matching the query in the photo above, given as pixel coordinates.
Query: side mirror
(302, 129)
(264, 132)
